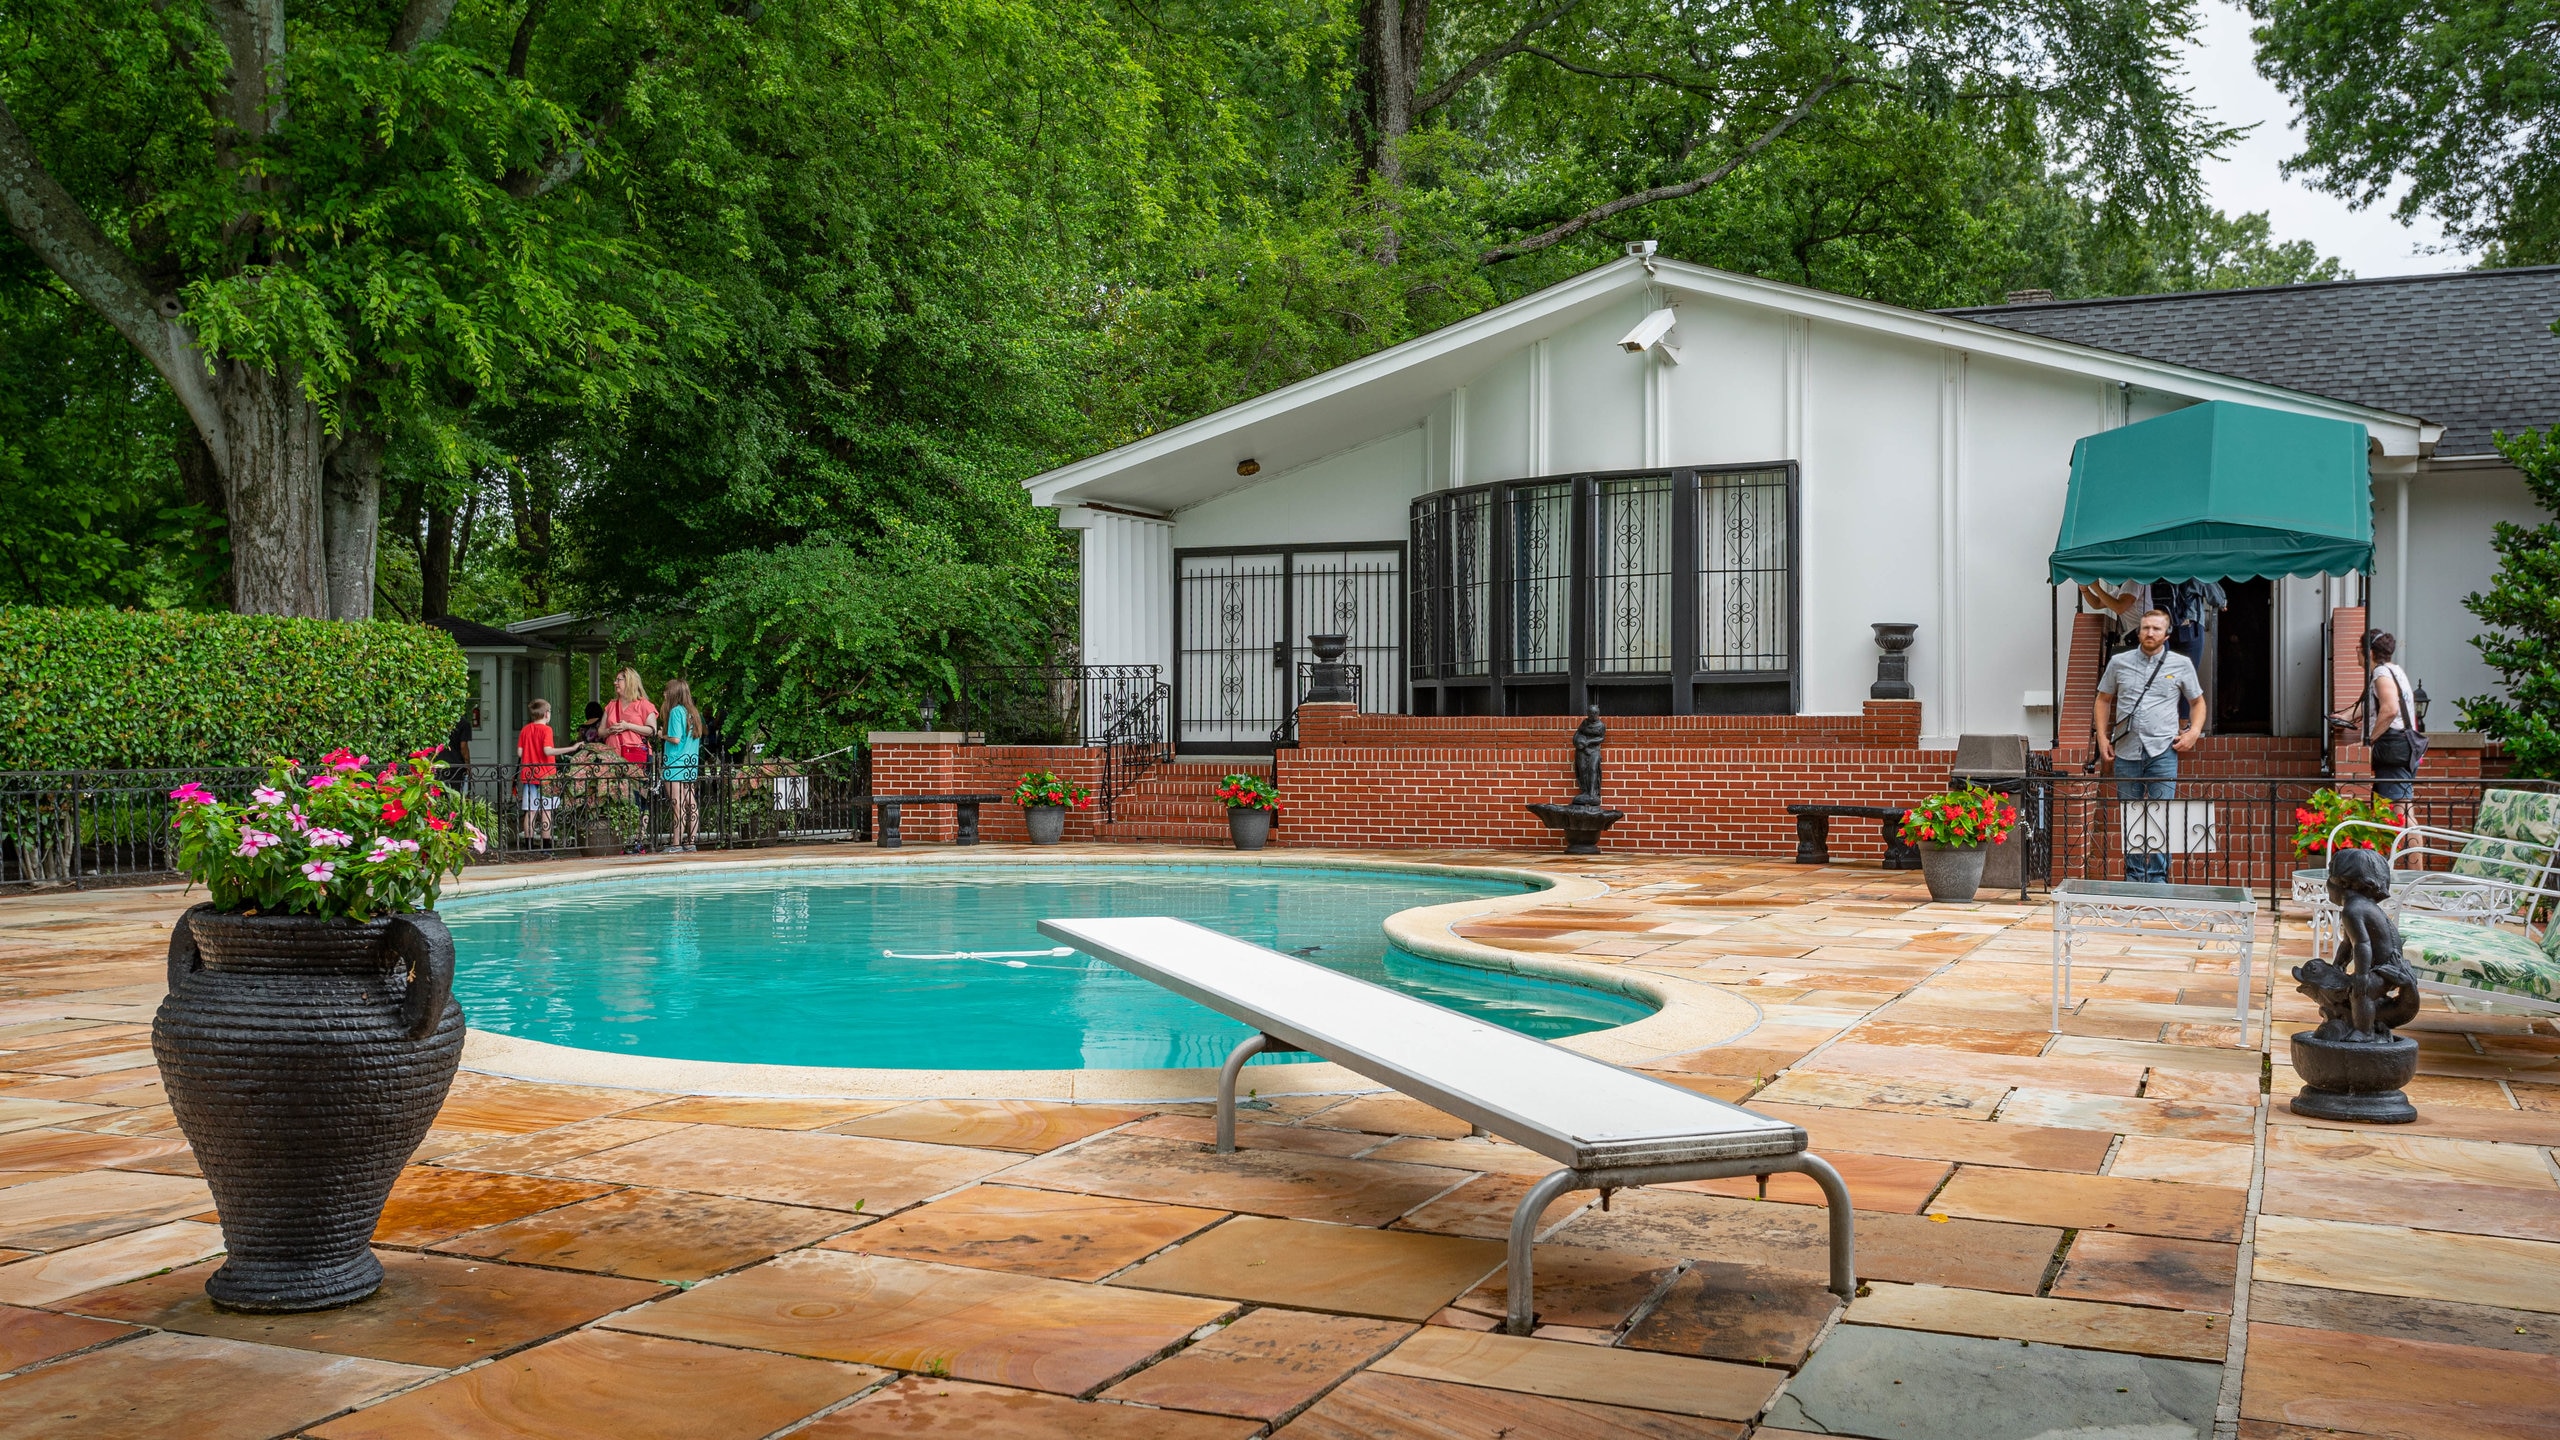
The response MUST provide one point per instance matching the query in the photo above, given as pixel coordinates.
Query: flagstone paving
(2119, 1230)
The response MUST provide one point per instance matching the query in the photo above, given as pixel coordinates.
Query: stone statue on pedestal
(1588, 737)
(2353, 1067)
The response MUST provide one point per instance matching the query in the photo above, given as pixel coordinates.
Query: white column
(1949, 719)
(1126, 588)
(2400, 574)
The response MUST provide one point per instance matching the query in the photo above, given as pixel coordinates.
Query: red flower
(393, 812)
(435, 824)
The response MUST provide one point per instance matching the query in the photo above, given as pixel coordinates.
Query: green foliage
(2522, 609)
(807, 647)
(112, 689)
(347, 837)
(2458, 99)
(96, 514)
(1043, 787)
(1966, 818)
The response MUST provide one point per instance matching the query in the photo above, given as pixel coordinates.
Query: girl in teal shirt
(682, 764)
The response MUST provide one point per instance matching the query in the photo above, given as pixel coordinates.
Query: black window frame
(1498, 683)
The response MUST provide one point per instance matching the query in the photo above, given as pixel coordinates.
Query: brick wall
(1886, 724)
(1697, 784)
(950, 768)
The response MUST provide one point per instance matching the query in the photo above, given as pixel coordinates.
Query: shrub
(126, 689)
(2327, 809)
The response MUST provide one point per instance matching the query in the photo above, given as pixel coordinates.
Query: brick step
(1163, 832)
(1133, 810)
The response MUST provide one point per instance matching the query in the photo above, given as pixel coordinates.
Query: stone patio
(2114, 1232)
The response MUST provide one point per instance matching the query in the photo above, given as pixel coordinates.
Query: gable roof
(472, 635)
(2472, 350)
(1396, 388)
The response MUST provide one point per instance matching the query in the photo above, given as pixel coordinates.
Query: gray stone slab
(1884, 1384)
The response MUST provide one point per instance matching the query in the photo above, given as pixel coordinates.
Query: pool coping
(1691, 1015)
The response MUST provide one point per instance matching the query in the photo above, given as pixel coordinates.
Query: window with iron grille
(1666, 588)
(1746, 579)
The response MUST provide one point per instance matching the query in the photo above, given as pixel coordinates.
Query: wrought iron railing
(2218, 830)
(106, 827)
(1122, 710)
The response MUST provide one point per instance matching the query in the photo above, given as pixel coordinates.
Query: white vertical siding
(1126, 572)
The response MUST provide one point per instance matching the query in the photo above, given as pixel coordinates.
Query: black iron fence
(1122, 710)
(106, 827)
(2213, 830)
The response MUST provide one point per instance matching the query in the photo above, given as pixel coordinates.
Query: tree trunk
(435, 567)
(352, 516)
(272, 484)
(1392, 36)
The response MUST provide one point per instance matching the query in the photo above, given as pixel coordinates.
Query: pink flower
(266, 795)
(295, 816)
(253, 841)
(327, 839)
(323, 782)
(319, 872)
(479, 842)
(192, 793)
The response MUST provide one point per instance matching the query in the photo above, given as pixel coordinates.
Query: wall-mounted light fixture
(1248, 467)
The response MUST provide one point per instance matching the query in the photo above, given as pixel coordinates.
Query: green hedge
(128, 689)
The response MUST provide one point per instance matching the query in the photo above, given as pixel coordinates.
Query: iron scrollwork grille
(1745, 580)
(1541, 563)
(1351, 593)
(1631, 599)
(1452, 586)
(1233, 611)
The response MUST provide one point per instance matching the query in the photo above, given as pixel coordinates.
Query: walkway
(2109, 1232)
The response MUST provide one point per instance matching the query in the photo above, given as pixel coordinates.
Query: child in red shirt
(534, 751)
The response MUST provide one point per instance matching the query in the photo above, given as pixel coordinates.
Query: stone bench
(965, 832)
(1813, 833)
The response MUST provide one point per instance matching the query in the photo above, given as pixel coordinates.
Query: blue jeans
(2146, 777)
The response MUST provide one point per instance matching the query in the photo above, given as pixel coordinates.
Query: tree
(2458, 98)
(2522, 607)
(327, 224)
(1604, 107)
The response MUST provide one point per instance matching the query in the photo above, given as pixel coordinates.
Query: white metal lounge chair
(1608, 1127)
(2479, 912)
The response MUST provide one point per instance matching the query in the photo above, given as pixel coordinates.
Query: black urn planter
(2355, 1080)
(305, 1059)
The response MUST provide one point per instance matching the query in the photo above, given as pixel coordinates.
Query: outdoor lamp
(930, 709)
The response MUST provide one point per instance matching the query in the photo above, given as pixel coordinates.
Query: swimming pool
(939, 967)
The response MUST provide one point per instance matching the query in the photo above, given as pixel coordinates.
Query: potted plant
(1954, 832)
(1252, 804)
(310, 1031)
(1045, 800)
(2326, 810)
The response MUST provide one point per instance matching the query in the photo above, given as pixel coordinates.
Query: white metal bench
(1608, 1127)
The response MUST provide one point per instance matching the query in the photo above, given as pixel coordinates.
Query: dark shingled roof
(2472, 351)
(473, 635)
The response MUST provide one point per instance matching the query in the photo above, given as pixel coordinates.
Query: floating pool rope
(1002, 957)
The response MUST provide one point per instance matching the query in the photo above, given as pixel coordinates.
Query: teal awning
(2218, 491)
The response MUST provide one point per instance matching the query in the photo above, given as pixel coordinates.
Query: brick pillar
(2350, 757)
(2082, 665)
(919, 762)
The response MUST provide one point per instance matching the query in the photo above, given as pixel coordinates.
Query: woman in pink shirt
(629, 722)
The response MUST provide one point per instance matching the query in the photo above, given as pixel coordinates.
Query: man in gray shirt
(2139, 700)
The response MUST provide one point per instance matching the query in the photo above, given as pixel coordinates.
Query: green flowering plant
(345, 839)
(1245, 792)
(2327, 809)
(1960, 819)
(1043, 787)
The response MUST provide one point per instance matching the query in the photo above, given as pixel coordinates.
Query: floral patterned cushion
(2482, 957)
(2518, 829)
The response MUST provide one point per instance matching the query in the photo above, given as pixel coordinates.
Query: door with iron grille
(1243, 619)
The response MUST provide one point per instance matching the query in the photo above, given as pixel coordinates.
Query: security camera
(1653, 332)
(1641, 249)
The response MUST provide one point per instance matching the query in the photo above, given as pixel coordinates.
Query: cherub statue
(2368, 989)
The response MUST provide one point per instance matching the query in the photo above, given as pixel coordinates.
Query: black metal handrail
(1135, 740)
(1077, 705)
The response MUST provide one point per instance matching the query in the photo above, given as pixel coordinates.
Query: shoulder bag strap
(2124, 721)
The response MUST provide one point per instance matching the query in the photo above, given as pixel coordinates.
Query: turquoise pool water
(940, 967)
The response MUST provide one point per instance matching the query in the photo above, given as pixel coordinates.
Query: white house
(1667, 489)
